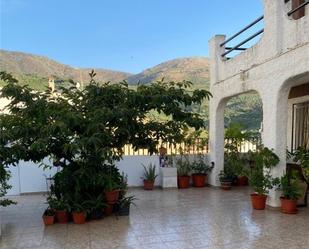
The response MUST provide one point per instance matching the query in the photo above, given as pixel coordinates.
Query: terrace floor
(190, 218)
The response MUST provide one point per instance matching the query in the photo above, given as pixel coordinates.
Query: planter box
(168, 177)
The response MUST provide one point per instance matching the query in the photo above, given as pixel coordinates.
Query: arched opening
(243, 116)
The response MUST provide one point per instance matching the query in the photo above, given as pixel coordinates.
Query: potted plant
(123, 205)
(61, 207)
(235, 135)
(96, 206)
(111, 190)
(48, 216)
(79, 213)
(226, 179)
(301, 155)
(183, 172)
(149, 176)
(260, 176)
(290, 193)
(200, 171)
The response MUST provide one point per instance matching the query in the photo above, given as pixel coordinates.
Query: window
(300, 127)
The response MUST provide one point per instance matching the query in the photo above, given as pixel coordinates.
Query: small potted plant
(200, 171)
(111, 190)
(123, 205)
(226, 179)
(48, 216)
(260, 176)
(96, 206)
(290, 193)
(149, 176)
(183, 172)
(61, 207)
(78, 213)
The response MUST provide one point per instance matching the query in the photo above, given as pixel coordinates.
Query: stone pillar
(215, 52)
(274, 134)
(216, 138)
(216, 111)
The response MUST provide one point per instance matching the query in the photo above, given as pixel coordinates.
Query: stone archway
(216, 132)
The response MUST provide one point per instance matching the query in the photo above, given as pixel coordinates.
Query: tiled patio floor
(191, 218)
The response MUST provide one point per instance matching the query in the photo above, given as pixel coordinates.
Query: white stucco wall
(28, 177)
(279, 61)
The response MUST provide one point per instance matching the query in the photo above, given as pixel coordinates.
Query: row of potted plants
(64, 204)
(261, 180)
(198, 169)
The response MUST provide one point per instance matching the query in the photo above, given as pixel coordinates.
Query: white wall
(28, 177)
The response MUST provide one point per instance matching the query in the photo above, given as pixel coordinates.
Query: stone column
(216, 111)
(274, 133)
(216, 138)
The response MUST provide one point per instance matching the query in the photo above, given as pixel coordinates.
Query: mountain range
(195, 69)
(35, 70)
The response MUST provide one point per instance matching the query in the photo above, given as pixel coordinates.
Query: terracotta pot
(108, 210)
(288, 206)
(226, 185)
(62, 216)
(79, 217)
(258, 201)
(242, 181)
(148, 185)
(183, 181)
(48, 220)
(112, 196)
(199, 180)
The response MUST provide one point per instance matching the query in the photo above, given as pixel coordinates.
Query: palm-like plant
(149, 172)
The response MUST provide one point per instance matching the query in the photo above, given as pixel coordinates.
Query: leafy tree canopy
(92, 125)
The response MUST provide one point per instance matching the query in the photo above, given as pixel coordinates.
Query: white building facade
(277, 68)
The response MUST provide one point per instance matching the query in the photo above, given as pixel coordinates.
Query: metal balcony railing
(238, 46)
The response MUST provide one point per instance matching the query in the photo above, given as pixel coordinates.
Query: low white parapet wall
(28, 177)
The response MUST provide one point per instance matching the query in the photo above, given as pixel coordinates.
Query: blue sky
(124, 35)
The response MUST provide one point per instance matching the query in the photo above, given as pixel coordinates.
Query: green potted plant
(111, 188)
(61, 207)
(260, 176)
(235, 135)
(289, 186)
(96, 206)
(149, 176)
(79, 212)
(226, 179)
(301, 155)
(183, 172)
(123, 205)
(48, 216)
(200, 171)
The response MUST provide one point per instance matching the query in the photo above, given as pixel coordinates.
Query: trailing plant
(259, 174)
(149, 172)
(126, 201)
(289, 185)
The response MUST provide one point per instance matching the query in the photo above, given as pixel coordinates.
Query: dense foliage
(260, 178)
(84, 131)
